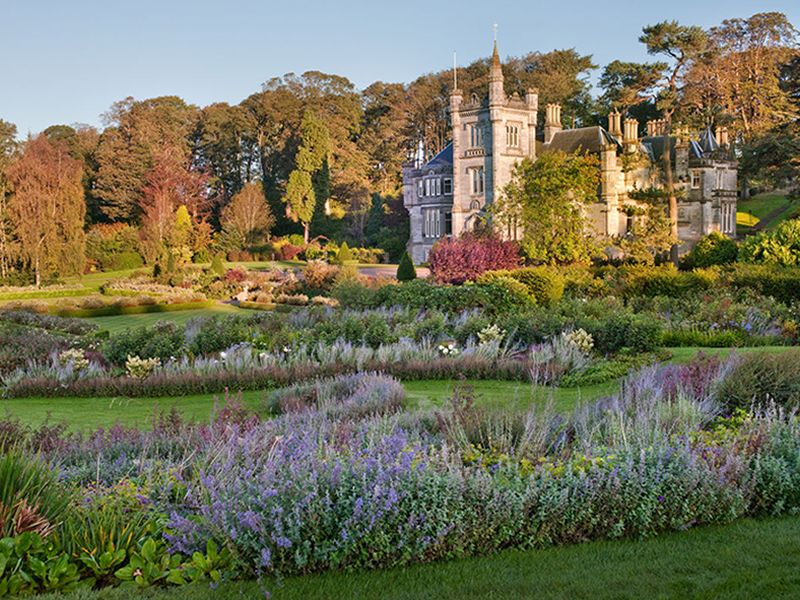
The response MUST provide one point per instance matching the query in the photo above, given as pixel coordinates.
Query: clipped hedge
(45, 293)
(664, 281)
(111, 311)
(782, 283)
(545, 285)
(257, 305)
(497, 297)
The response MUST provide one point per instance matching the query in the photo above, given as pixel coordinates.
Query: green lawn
(88, 413)
(120, 322)
(504, 395)
(761, 205)
(92, 413)
(744, 560)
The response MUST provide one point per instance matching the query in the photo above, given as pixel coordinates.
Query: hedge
(34, 294)
(257, 305)
(782, 283)
(111, 311)
(545, 285)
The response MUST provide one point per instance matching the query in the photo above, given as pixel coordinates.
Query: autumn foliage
(466, 258)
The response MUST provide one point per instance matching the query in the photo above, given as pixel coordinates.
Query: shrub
(141, 368)
(31, 498)
(664, 281)
(781, 246)
(217, 266)
(406, 270)
(466, 258)
(762, 377)
(713, 249)
(212, 335)
(545, 285)
(163, 341)
(639, 333)
(344, 256)
(113, 247)
(350, 293)
(781, 283)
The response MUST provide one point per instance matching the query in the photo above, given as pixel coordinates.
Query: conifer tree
(406, 270)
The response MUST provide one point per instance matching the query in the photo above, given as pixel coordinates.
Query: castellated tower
(490, 135)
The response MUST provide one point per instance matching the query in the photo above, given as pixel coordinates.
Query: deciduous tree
(545, 200)
(47, 209)
(248, 217)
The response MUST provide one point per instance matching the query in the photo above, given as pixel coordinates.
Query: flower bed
(342, 480)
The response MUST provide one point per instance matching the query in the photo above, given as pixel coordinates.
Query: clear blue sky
(66, 61)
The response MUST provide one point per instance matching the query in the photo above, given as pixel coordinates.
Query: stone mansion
(448, 193)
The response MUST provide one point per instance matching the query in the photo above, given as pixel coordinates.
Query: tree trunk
(306, 227)
(36, 270)
(669, 184)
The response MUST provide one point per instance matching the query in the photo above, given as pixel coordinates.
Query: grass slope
(747, 559)
(119, 322)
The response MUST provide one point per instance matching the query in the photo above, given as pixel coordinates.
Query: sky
(67, 61)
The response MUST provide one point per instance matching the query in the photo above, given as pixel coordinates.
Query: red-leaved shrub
(466, 258)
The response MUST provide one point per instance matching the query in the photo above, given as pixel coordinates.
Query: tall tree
(8, 149)
(226, 148)
(545, 199)
(170, 184)
(311, 165)
(681, 45)
(47, 209)
(247, 220)
(137, 132)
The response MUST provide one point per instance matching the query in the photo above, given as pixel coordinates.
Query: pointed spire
(495, 57)
(496, 93)
(496, 69)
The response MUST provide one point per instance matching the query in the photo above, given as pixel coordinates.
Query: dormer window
(447, 186)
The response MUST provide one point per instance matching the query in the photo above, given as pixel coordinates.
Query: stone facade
(445, 196)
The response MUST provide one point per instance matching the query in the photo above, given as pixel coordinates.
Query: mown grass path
(89, 413)
(745, 560)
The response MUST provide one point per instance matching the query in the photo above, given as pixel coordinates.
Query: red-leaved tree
(466, 258)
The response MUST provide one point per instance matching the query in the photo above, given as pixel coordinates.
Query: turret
(497, 94)
(552, 122)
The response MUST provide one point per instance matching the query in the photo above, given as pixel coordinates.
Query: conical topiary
(344, 256)
(406, 270)
(217, 266)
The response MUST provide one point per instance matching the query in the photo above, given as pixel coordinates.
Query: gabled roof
(587, 139)
(443, 159)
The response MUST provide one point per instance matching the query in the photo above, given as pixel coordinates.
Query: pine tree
(406, 270)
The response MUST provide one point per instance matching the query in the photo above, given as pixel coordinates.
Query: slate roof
(708, 142)
(443, 159)
(587, 139)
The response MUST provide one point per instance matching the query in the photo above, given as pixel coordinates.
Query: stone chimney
(532, 98)
(631, 136)
(552, 121)
(721, 135)
(615, 123)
